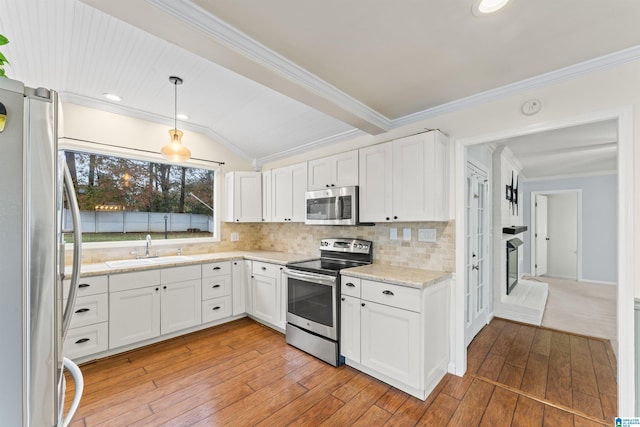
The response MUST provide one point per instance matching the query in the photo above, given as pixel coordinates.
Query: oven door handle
(310, 277)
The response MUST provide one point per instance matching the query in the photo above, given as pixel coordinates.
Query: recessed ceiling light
(484, 7)
(112, 97)
(182, 117)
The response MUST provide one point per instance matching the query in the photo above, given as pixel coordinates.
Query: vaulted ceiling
(270, 78)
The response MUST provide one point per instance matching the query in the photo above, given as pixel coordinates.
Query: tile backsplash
(305, 239)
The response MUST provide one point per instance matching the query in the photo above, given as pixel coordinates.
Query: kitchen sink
(138, 262)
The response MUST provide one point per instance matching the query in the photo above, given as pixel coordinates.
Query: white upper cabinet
(267, 198)
(243, 194)
(288, 187)
(340, 170)
(376, 177)
(405, 180)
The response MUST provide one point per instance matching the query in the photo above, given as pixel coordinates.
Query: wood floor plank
(457, 386)
(480, 346)
(605, 376)
(609, 406)
(554, 417)
(520, 347)
(492, 366)
(583, 374)
(559, 387)
(588, 404)
(511, 375)
(528, 413)
(473, 404)
(541, 342)
(440, 411)
(503, 343)
(392, 400)
(353, 387)
(374, 416)
(534, 380)
(319, 412)
(412, 409)
(500, 409)
(357, 406)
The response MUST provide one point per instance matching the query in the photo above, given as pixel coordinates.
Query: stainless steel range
(313, 292)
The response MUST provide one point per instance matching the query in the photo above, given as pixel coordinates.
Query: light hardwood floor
(244, 374)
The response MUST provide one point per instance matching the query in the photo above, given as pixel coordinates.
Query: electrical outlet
(406, 234)
(235, 237)
(427, 235)
(393, 234)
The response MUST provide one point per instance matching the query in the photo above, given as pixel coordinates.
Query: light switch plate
(406, 234)
(235, 237)
(427, 235)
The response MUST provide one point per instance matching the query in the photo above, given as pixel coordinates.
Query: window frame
(65, 144)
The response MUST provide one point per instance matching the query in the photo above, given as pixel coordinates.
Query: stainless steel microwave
(333, 206)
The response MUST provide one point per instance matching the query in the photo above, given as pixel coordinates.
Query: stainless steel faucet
(146, 252)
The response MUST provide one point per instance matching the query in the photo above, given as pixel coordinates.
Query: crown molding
(199, 18)
(570, 72)
(570, 176)
(342, 136)
(97, 104)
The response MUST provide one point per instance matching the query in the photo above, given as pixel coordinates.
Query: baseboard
(599, 282)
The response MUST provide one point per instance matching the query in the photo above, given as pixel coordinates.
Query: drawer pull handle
(351, 285)
(82, 310)
(216, 268)
(84, 285)
(216, 286)
(81, 340)
(387, 292)
(217, 307)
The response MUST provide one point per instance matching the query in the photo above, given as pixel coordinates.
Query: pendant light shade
(174, 151)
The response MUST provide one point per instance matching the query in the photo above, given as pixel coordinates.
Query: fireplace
(512, 263)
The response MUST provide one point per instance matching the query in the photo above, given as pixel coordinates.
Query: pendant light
(174, 151)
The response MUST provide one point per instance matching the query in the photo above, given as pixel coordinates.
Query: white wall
(562, 223)
(599, 223)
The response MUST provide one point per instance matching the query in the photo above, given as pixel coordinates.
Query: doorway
(556, 219)
(623, 118)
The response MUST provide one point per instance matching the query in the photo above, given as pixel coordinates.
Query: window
(124, 199)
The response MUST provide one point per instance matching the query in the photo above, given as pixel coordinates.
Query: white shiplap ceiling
(268, 78)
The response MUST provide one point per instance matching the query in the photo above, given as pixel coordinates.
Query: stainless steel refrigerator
(33, 320)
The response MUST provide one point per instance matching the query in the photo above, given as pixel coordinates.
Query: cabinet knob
(362, 304)
(164, 287)
(395, 217)
(157, 289)
(235, 263)
(237, 220)
(351, 285)
(343, 298)
(387, 292)
(263, 268)
(388, 218)
(82, 310)
(327, 185)
(81, 340)
(333, 185)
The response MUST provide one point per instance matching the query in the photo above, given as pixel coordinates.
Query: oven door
(312, 302)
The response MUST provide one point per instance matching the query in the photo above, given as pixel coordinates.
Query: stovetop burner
(336, 254)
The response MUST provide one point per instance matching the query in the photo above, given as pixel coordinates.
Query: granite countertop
(404, 276)
(281, 258)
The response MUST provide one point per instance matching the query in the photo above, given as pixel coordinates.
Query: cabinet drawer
(392, 295)
(216, 269)
(350, 286)
(215, 287)
(133, 280)
(216, 309)
(89, 286)
(266, 269)
(180, 274)
(86, 340)
(89, 310)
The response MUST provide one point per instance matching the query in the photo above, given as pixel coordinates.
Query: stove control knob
(359, 245)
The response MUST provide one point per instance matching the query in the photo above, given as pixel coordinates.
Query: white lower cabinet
(180, 306)
(134, 315)
(267, 294)
(395, 333)
(240, 272)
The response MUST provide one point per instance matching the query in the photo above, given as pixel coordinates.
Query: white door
(477, 263)
(265, 299)
(541, 235)
(180, 306)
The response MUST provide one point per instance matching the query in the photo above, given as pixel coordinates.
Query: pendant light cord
(175, 105)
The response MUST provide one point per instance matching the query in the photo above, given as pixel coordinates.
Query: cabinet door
(265, 299)
(409, 201)
(376, 178)
(282, 194)
(245, 196)
(267, 198)
(134, 316)
(298, 190)
(239, 284)
(390, 342)
(345, 169)
(320, 173)
(181, 306)
(350, 327)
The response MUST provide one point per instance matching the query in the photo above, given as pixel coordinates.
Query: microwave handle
(339, 203)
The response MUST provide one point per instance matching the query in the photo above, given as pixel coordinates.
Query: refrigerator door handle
(78, 380)
(77, 250)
